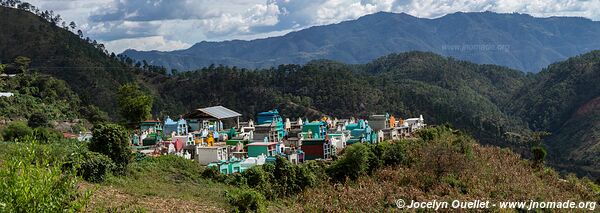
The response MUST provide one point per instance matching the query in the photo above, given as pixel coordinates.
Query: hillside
(440, 164)
(564, 99)
(38, 94)
(443, 90)
(517, 41)
(484, 100)
(449, 166)
(60, 53)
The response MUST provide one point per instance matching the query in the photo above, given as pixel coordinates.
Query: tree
(134, 105)
(353, 163)
(285, 176)
(38, 120)
(113, 141)
(539, 155)
(72, 25)
(23, 63)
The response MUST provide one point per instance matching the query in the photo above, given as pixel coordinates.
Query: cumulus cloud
(145, 43)
(169, 24)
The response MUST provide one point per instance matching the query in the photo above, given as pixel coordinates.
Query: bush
(305, 177)
(213, 173)
(28, 184)
(38, 120)
(353, 163)
(257, 178)
(281, 178)
(113, 141)
(46, 135)
(285, 176)
(539, 154)
(95, 167)
(395, 154)
(16, 130)
(236, 179)
(246, 200)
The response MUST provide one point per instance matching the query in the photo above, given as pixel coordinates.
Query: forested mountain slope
(565, 100)
(53, 50)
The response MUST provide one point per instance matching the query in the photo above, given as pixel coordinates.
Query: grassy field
(163, 184)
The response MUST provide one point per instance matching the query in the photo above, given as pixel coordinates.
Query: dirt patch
(588, 107)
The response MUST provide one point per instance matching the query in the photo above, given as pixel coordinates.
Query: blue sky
(178, 24)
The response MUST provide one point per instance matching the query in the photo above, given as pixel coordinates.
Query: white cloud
(178, 23)
(145, 43)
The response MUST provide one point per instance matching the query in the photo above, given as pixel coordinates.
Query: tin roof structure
(216, 112)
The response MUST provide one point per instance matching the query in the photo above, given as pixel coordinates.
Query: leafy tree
(395, 154)
(285, 176)
(539, 154)
(353, 163)
(113, 141)
(23, 63)
(72, 25)
(95, 167)
(134, 105)
(305, 177)
(38, 120)
(16, 130)
(258, 179)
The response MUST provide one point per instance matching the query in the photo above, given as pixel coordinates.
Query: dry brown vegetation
(440, 172)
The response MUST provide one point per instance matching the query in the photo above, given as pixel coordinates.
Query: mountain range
(518, 41)
(487, 101)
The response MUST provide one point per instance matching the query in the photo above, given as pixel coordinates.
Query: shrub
(395, 154)
(236, 179)
(539, 154)
(113, 141)
(212, 173)
(257, 178)
(38, 120)
(246, 200)
(28, 184)
(16, 130)
(95, 167)
(353, 163)
(46, 135)
(285, 176)
(454, 181)
(305, 177)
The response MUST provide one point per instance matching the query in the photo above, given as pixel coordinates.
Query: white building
(206, 155)
(6, 94)
(414, 124)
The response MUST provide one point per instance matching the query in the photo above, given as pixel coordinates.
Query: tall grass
(30, 183)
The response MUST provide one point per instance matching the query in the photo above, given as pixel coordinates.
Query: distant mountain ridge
(517, 41)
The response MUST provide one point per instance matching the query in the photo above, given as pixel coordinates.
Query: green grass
(161, 179)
